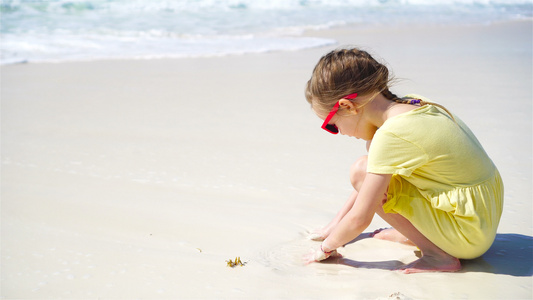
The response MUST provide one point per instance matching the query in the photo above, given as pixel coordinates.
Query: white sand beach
(139, 179)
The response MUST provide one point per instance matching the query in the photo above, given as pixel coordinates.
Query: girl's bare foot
(430, 263)
(391, 234)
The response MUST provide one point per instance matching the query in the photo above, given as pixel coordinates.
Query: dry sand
(139, 179)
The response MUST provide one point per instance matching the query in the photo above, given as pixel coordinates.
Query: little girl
(426, 174)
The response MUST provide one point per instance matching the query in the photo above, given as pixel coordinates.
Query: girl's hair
(347, 71)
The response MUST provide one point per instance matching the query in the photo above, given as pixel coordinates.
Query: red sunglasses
(332, 128)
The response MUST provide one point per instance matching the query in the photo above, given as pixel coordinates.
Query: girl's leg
(391, 234)
(433, 258)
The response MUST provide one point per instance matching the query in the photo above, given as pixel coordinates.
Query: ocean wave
(120, 6)
(56, 30)
(83, 48)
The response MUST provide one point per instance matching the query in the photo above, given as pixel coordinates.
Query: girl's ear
(348, 106)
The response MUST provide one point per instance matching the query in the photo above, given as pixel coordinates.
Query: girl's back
(425, 144)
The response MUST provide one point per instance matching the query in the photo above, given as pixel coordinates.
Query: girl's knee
(358, 172)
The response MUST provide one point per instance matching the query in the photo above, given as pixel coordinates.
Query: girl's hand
(318, 255)
(318, 235)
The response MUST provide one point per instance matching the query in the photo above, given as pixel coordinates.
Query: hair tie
(415, 101)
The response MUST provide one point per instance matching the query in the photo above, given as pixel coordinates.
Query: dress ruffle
(467, 215)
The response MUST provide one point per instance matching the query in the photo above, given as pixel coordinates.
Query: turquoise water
(59, 30)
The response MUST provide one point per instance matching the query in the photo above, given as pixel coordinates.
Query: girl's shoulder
(419, 112)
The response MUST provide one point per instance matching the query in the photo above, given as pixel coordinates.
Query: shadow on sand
(510, 254)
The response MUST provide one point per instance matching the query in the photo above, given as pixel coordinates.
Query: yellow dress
(443, 181)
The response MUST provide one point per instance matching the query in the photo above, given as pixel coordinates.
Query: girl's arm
(322, 234)
(362, 212)
(359, 216)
